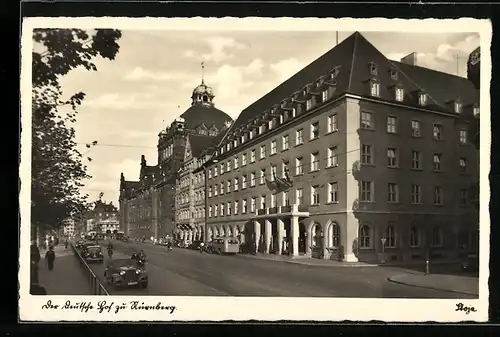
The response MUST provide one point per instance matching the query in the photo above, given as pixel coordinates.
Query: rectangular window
(228, 208)
(273, 200)
(332, 123)
(221, 188)
(422, 99)
(273, 147)
(315, 195)
(284, 144)
(286, 199)
(253, 203)
(299, 196)
(252, 156)
(215, 171)
(228, 165)
(458, 107)
(333, 192)
(229, 186)
(284, 168)
(221, 209)
(309, 104)
(216, 190)
(243, 159)
(400, 94)
(216, 208)
(463, 197)
(243, 181)
(438, 131)
(366, 120)
(392, 158)
(221, 168)
(262, 152)
(236, 184)
(415, 128)
(463, 165)
(236, 207)
(324, 95)
(299, 137)
(392, 192)
(416, 160)
(252, 179)
(391, 124)
(314, 161)
(416, 194)
(299, 166)
(235, 163)
(262, 176)
(210, 191)
(332, 156)
(210, 174)
(273, 172)
(438, 195)
(463, 136)
(244, 206)
(314, 130)
(366, 154)
(375, 89)
(367, 191)
(437, 162)
(263, 202)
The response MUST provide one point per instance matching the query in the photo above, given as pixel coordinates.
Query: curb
(432, 288)
(297, 261)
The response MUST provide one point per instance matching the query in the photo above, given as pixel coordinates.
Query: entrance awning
(185, 227)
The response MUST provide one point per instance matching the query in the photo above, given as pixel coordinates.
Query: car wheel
(144, 284)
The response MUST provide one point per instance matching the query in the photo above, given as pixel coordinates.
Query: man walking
(50, 256)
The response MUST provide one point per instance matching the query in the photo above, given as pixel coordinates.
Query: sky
(131, 99)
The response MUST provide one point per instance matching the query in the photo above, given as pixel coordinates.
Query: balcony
(273, 212)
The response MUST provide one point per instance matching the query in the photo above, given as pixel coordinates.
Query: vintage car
(125, 273)
(79, 243)
(225, 245)
(93, 254)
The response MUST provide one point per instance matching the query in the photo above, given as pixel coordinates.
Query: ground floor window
(415, 237)
(316, 239)
(437, 237)
(365, 233)
(390, 237)
(334, 236)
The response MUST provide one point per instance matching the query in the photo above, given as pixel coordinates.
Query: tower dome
(203, 94)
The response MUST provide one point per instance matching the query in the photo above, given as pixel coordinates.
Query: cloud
(255, 67)
(140, 74)
(220, 47)
(286, 68)
(111, 101)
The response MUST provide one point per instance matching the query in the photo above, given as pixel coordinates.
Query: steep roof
(208, 115)
(198, 143)
(353, 56)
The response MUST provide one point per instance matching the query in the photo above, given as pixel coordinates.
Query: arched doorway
(229, 231)
(215, 232)
(316, 241)
(222, 232)
(333, 240)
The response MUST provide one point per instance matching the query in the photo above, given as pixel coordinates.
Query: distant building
(103, 219)
(147, 206)
(68, 228)
(190, 187)
(355, 157)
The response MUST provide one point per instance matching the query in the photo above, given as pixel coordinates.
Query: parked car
(470, 263)
(195, 245)
(93, 254)
(125, 273)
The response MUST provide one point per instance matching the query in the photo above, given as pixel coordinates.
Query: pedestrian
(50, 256)
(66, 245)
(35, 258)
(202, 245)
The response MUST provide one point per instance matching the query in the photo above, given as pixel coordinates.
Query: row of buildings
(352, 157)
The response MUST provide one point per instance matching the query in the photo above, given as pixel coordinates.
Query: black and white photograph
(270, 169)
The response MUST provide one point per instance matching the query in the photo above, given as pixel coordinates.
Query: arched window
(316, 237)
(365, 234)
(390, 237)
(229, 231)
(415, 237)
(437, 236)
(334, 235)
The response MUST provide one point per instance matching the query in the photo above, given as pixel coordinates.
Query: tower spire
(202, 72)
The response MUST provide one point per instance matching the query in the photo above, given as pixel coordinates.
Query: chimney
(410, 59)
(122, 177)
(143, 160)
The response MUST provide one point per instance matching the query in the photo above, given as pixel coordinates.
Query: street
(183, 272)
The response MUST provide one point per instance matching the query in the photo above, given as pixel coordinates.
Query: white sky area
(131, 99)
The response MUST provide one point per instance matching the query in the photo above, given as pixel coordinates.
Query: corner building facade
(378, 156)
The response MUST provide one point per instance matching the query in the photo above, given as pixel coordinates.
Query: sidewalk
(309, 261)
(67, 277)
(452, 283)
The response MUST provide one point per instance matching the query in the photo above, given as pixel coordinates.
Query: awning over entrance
(185, 227)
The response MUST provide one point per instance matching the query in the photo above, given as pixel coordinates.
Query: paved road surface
(185, 272)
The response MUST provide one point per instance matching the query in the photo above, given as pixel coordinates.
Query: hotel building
(356, 157)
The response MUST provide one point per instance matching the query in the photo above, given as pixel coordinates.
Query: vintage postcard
(211, 169)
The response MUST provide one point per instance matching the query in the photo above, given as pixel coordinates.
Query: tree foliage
(58, 168)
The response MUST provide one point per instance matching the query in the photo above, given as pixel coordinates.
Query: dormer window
(457, 107)
(422, 98)
(228, 146)
(373, 69)
(475, 110)
(374, 88)
(235, 143)
(309, 104)
(283, 103)
(400, 93)
(294, 112)
(394, 74)
(324, 95)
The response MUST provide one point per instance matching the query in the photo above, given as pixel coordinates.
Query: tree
(58, 168)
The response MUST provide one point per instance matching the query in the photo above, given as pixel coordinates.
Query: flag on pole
(278, 185)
